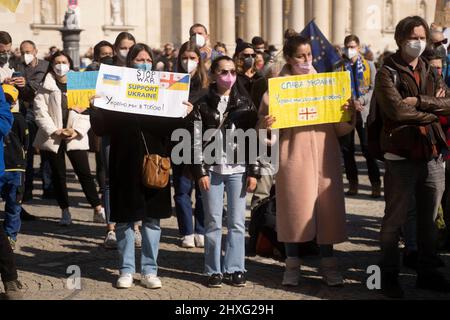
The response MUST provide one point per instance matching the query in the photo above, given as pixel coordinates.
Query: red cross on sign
(308, 114)
(168, 82)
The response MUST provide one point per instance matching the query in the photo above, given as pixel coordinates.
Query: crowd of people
(405, 94)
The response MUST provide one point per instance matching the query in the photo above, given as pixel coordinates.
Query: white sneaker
(125, 281)
(188, 242)
(291, 275)
(66, 218)
(111, 240)
(137, 239)
(100, 217)
(331, 275)
(151, 281)
(199, 240)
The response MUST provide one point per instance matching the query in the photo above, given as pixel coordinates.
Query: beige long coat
(309, 186)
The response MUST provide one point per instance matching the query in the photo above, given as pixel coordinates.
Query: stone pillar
(297, 19)
(275, 23)
(187, 19)
(252, 19)
(71, 44)
(154, 25)
(227, 24)
(358, 17)
(201, 12)
(321, 13)
(340, 9)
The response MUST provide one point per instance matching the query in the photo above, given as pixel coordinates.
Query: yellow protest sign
(11, 5)
(307, 100)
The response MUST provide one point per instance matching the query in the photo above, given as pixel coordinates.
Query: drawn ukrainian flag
(111, 79)
(181, 85)
(81, 88)
(11, 5)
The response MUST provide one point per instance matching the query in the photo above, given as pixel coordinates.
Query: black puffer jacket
(241, 114)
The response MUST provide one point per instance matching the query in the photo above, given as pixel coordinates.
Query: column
(153, 8)
(297, 19)
(187, 19)
(321, 13)
(252, 19)
(340, 9)
(275, 23)
(201, 12)
(358, 17)
(227, 23)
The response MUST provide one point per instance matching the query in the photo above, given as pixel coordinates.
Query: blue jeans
(183, 204)
(151, 235)
(11, 190)
(234, 259)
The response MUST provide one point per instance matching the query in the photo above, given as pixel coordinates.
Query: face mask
(143, 66)
(107, 60)
(199, 40)
(28, 58)
(351, 53)
(441, 50)
(61, 69)
(415, 48)
(226, 81)
(259, 50)
(303, 68)
(260, 66)
(4, 58)
(248, 63)
(189, 65)
(123, 53)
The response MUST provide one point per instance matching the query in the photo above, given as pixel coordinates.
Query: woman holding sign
(132, 137)
(190, 61)
(309, 186)
(225, 109)
(62, 131)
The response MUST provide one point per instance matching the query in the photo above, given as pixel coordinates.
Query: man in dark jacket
(33, 70)
(412, 141)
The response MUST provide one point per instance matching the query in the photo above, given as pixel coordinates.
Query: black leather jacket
(241, 113)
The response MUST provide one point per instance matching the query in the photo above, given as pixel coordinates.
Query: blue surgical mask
(143, 66)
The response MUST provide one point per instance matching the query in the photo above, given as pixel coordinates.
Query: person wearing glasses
(226, 107)
(245, 58)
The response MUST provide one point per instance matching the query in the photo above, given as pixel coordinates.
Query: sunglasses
(226, 72)
(437, 44)
(249, 55)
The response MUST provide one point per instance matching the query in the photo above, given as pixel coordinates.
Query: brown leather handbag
(155, 169)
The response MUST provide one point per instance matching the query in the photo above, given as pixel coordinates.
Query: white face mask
(199, 40)
(415, 48)
(28, 58)
(351, 53)
(123, 53)
(61, 69)
(190, 65)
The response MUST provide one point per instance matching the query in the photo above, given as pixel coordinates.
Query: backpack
(375, 121)
(263, 235)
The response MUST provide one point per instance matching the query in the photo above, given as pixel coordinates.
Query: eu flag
(326, 58)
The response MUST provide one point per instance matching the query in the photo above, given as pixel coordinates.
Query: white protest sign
(142, 92)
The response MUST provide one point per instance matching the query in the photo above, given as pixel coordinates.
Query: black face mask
(4, 58)
(248, 63)
(107, 60)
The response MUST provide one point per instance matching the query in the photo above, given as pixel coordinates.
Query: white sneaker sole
(152, 287)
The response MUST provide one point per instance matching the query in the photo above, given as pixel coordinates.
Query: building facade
(159, 21)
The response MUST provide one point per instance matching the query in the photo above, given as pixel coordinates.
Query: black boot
(390, 286)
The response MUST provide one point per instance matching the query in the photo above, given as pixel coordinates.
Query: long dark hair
(123, 36)
(134, 52)
(56, 55)
(201, 69)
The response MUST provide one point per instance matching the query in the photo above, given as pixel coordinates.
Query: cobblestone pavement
(45, 251)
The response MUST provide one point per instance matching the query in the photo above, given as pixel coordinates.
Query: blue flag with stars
(326, 58)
